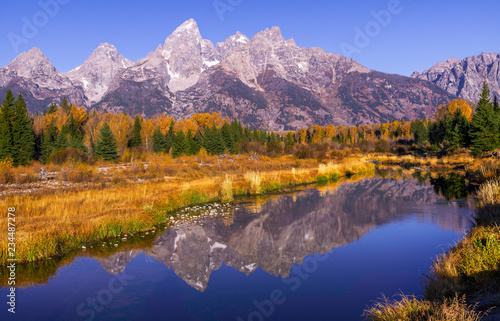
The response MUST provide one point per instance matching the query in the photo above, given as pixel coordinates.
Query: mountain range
(265, 82)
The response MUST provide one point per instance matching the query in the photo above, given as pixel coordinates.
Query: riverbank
(106, 202)
(463, 283)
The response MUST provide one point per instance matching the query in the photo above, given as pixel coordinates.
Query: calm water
(314, 255)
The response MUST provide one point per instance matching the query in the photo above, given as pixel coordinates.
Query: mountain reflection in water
(286, 229)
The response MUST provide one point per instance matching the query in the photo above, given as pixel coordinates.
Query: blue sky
(419, 33)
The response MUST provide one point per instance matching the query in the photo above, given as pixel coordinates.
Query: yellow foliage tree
(163, 122)
(79, 114)
(121, 126)
(452, 107)
(147, 130)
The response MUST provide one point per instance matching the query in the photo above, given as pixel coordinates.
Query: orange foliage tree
(452, 107)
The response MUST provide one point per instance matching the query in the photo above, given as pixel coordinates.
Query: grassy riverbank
(466, 279)
(104, 202)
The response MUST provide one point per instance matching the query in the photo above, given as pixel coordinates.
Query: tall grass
(332, 171)
(227, 189)
(472, 266)
(483, 171)
(409, 308)
(255, 180)
(487, 203)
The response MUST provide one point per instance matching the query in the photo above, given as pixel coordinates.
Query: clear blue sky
(423, 33)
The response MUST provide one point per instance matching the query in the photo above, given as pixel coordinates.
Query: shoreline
(60, 223)
(463, 282)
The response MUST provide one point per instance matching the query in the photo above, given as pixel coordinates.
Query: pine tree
(48, 142)
(106, 145)
(6, 143)
(52, 108)
(180, 145)
(289, 139)
(208, 140)
(65, 105)
(228, 138)
(76, 135)
(496, 111)
(192, 143)
(159, 145)
(169, 138)
(213, 141)
(23, 137)
(237, 130)
(136, 139)
(484, 128)
(62, 141)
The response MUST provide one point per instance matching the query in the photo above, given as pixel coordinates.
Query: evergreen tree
(106, 145)
(6, 144)
(65, 105)
(159, 145)
(52, 108)
(228, 138)
(237, 130)
(62, 141)
(289, 139)
(437, 132)
(219, 146)
(23, 137)
(192, 143)
(263, 138)
(169, 138)
(136, 139)
(180, 145)
(484, 129)
(213, 141)
(76, 135)
(417, 128)
(169, 141)
(496, 111)
(48, 142)
(208, 140)
(247, 133)
(198, 138)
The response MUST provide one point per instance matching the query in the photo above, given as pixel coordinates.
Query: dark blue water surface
(314, 255)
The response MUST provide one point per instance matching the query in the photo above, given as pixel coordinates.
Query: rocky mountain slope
(464, 78)
(32, 74)
(265, 81)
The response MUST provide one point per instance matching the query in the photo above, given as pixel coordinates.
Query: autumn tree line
(66, 131)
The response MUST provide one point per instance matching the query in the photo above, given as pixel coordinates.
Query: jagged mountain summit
(266, 81)
(464, 78)
(40, 82)
(97, 72)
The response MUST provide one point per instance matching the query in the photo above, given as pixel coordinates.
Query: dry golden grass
(17, 175)
(458, 160)
(487, 203)
(482, 171)
(349, 166)
(409, 308)
(50, 224)
(227, 190)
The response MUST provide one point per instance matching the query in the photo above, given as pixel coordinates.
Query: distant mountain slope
(464, 78)
(265, 81)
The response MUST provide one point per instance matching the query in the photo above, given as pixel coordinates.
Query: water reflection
(284, 230)
(451, 187)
